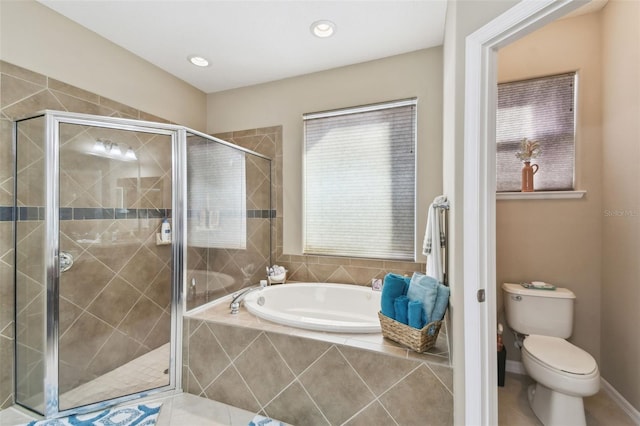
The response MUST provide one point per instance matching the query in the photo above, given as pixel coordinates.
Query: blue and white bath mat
(133, 415)
(259, 420)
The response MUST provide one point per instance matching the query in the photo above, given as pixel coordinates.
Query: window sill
(542, 195)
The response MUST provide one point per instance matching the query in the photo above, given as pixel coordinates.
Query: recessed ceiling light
(198, 61)
(323, 28)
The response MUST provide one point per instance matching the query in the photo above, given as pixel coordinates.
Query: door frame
(479, 214)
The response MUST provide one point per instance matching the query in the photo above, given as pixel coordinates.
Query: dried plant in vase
(528, 149)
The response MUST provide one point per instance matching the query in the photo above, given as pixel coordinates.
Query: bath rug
(132, 415)
(264, 421)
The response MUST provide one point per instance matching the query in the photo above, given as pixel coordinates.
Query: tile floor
(182, 409)
(514, 410)
(140, 374)
(185, 409)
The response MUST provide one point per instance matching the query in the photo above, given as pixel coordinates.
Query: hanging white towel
(434, 240)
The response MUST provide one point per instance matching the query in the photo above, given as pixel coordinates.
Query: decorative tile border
(7, 213)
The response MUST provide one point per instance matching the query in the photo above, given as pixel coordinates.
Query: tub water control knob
(66, 261)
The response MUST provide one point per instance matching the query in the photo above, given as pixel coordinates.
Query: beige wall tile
(335, 387)
(6, 372)
(234, 339)
(229, 388)
(419, 399)
(378, 371)
(295, 407)
(114, 301)
(373, 414)
(136, 323)
(22, 73)
(14, 89)
(271, 377)
(206, 358)
(59, 86)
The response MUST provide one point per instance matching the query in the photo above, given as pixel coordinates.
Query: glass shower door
(115, 282)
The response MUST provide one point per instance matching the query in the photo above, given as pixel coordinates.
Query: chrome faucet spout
(239, 296)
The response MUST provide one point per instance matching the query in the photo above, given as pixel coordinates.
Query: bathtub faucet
(239, 296)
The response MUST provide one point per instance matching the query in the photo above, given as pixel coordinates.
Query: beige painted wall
(621, 199)
(35, 37)
(283, 102)
(559, 241)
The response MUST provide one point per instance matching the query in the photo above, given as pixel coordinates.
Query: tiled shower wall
(221, 271)
(264, 187)
(136, 276)
(311, 382)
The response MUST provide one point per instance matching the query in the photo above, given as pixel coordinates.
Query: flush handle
(516, 298)
(66, 261)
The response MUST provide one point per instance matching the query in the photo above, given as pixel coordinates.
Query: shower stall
(99, 293)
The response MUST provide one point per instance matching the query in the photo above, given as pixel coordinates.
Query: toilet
(563, 372)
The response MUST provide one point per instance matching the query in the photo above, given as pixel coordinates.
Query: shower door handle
(66, 261)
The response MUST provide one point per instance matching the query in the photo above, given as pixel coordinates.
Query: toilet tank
(545, 312)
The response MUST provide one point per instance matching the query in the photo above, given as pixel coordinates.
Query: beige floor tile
(514, 409)
(13, 416)
(177, 410)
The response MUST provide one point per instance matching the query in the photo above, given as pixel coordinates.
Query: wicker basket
(418, 340)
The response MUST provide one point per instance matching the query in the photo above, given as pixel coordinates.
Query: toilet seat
(550, 362)
(558, 354)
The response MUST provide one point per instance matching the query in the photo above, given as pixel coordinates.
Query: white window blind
(216, 196)
(359, 186)
(541, 110)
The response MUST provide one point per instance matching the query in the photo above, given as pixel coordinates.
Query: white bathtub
(340, 308)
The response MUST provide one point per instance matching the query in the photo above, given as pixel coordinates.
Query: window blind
(216, 196)
(541, 110)
(359, 181)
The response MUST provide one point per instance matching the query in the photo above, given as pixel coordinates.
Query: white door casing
(479, 216)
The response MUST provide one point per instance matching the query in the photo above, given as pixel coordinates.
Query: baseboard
(619, 399)
(516, 367)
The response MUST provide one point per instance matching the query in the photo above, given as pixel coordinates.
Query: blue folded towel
(415, 314)
(401, 304)
(425, 289)
(394, 285)
(417, 276)
(442, 301)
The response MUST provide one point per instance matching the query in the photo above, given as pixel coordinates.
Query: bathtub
(339, 308)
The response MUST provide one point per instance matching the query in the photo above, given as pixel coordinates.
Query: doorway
(479, 214)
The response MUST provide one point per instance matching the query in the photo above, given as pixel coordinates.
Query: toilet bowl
(564, 374)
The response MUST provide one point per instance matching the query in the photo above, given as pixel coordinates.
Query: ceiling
(252, 42)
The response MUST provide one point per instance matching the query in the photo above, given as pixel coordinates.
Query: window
(359, 181)
(541, 110)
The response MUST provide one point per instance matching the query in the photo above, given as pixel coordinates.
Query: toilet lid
(559, 354)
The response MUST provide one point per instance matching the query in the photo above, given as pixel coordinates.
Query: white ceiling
(252, 42)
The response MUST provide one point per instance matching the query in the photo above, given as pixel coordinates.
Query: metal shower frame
(178, 135)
